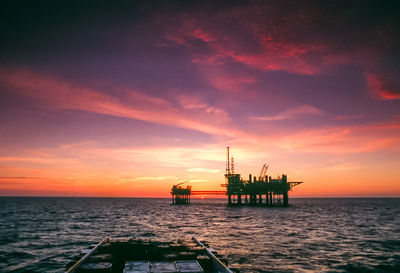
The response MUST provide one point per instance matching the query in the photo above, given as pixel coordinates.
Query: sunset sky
(128, 99)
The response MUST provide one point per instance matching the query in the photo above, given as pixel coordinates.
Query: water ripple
(312, 235)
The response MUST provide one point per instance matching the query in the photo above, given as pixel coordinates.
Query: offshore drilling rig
(275, 190)
(243, 192)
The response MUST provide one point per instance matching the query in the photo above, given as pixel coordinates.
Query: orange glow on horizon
(144, 112)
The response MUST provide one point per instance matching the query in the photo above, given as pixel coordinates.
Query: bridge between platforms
(208, 192)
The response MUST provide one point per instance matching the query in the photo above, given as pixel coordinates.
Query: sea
(43, 234)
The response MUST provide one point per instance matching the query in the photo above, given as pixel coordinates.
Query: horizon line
(155, 197)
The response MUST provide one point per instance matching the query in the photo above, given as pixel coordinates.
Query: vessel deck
(134, 256)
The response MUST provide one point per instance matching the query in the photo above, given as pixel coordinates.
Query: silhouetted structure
(263, 190)
(252, 191)
(181, 195)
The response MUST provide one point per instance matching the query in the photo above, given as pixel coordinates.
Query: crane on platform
(181, 183)
(263, 171)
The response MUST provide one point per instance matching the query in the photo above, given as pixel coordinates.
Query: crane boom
(181, 183)
(265, 171)
(261, 172)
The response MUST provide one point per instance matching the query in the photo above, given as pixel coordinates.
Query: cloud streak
(273, 44)
(152, 178)
(62, 95)
(292, 113)
(203, 170)
(192, 113)
(383, 88)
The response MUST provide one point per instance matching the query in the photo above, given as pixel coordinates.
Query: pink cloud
(255, 43)
(292, 113)
(382, 87)
(347, 117)
(196, 104)
(344, 139)
(58, 94)
(188, 32)
(201, 35)
(226, 81)
(194, 114)
(385, 125)
(32, 159)
(281, 56)
(275, 55)
(191, 102)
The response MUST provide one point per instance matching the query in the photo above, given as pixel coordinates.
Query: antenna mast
(228, 165)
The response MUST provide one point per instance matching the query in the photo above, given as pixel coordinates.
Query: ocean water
(311, 235)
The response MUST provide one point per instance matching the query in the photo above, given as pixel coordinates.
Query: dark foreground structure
(135, 256)
(261, 190)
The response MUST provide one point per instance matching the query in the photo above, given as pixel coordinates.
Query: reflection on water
(312, 235)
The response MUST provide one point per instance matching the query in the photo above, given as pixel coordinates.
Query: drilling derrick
(232, 181)
(228, 165)
(229, 168)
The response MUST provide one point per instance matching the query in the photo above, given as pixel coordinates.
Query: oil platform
(261, 190)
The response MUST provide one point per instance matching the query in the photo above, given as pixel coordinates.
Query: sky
(127, 98)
